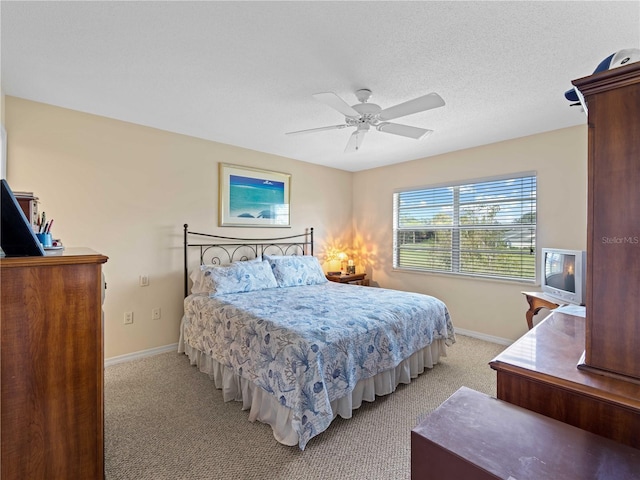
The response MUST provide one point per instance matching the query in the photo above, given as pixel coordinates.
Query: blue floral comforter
(310, 345)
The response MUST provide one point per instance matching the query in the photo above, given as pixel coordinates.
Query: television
(16, 234)
(563, 274)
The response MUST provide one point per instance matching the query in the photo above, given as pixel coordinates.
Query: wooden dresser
(51, 398)
(539, 372)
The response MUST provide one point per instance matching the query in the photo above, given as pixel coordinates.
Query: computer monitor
(16, 235)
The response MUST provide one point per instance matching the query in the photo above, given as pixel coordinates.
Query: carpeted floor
(165, 420)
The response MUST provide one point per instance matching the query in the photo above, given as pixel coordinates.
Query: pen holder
(45, 239)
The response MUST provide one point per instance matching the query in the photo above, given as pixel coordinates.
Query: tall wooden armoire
(613, 223)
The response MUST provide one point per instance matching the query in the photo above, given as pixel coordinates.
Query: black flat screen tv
(16, 235)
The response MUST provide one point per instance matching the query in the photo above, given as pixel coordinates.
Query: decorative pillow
(294, 270)
(238, 277)
(197, 276)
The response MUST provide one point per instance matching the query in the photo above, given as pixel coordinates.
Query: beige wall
(126, 190)
(2, 158)
(493, 308)
(2, 106)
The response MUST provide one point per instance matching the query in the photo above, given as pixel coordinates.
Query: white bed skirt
(266, 408)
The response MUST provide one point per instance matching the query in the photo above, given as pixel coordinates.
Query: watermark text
(621, 240)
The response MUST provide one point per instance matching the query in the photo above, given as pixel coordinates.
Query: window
(485, 229)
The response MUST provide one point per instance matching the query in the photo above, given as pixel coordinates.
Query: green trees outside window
(481, 228)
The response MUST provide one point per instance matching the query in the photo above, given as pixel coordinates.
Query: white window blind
(483, 229)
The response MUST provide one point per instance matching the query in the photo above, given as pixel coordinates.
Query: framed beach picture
(250, 197)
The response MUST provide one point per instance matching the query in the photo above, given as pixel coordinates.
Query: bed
(264, 323)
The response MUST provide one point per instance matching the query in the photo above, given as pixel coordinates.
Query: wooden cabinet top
(507, 441)
(68, 256)
(608, 79)
(551, 352)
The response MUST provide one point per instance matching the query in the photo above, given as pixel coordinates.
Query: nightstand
(354, 278)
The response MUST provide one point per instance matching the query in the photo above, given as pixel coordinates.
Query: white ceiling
(242, 73)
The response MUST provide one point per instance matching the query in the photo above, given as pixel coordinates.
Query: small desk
(353, 278)
(536, 301)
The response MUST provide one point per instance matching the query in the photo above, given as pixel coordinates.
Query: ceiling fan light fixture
(367, 108)
(363, 95)
(364, 115)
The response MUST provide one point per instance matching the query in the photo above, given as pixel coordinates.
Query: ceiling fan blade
(403, 130)
(355, 141)
(420, 104)
(319, 129)
(335, 102)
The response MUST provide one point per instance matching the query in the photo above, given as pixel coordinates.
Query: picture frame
(251, 197)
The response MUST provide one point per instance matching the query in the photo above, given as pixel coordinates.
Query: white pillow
(196, 280)
(295, 270)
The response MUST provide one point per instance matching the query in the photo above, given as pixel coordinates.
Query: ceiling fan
(365, 115)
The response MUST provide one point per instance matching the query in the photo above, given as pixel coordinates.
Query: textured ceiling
(243, 73)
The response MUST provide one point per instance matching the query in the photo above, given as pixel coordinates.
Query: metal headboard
(218, 250)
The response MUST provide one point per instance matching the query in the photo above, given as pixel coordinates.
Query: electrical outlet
(155, 314)
(128, 318)
(144, 280)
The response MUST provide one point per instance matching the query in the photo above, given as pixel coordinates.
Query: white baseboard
(482, 336)
(141, 354)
